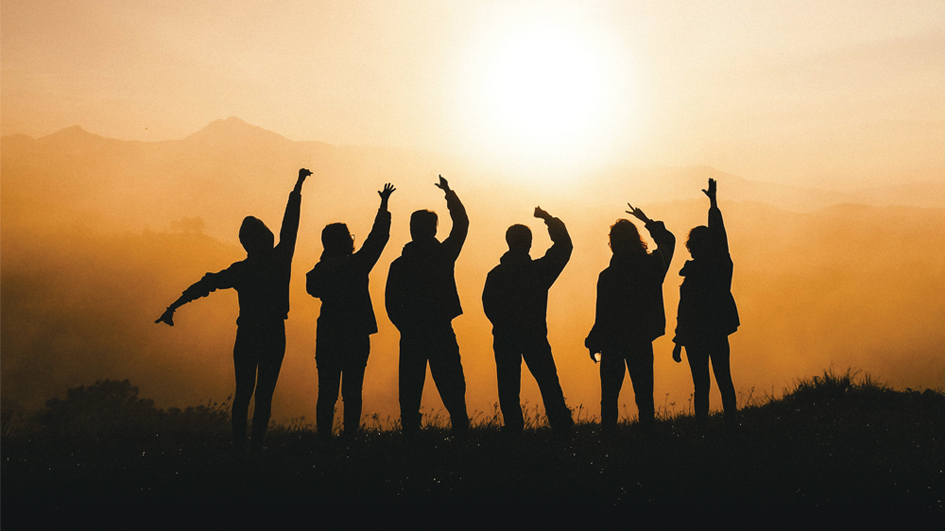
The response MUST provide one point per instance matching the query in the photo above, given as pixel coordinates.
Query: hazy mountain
(99, 235)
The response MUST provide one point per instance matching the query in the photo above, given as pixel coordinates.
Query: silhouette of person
(342, 345)
(515, 299)
(262, 283)
(707, 314)
(630, 315)
(421, 301)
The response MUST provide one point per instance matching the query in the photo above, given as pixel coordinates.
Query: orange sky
(806, 92)
(593, 97)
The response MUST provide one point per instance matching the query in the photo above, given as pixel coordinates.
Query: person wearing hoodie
(515, 299)
(630, 315)
(707, 313)
(346, 321)
(262, 284)
(422, 301)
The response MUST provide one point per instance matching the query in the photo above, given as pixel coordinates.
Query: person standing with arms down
(515, 299)
(346, 321)
(422, 301)
(630, 315)
(262, 282)
(707, 313)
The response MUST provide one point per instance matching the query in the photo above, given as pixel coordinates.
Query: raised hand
(443, 185)
(541, 214)
(166, 317)
(637, 213)
(385, 194)
(711, 191)
(303, 173)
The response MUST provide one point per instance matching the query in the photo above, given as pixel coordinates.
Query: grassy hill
(835, 450)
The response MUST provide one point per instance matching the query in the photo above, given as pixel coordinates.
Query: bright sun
(547, 99)
(545, 88)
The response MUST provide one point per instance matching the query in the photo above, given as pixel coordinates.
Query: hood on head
(255, 236)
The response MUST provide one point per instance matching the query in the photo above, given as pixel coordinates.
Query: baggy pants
(536, 352)
(436, 345)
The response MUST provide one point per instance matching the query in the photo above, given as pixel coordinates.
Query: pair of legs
(341, 362)
(510, 350)
(436, 345)
(257, 357)
(699, 352)
(638, 358)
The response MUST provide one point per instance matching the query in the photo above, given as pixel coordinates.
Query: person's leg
(413, 371)
(245, 359)
(541, 363)
(640, 367)
(329, 378)
(353, 381)
(328, 355)
(447, 370)
(612, 369)
(270, 363)
(508, 364)
(698, 357)
(720, 355)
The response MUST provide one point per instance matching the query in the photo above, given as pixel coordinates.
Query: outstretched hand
(385, 193)
(677, 353)
(541, 214)
(303, 173)
(166, 317)
(637, 213)
(443, 185)
(711, 191)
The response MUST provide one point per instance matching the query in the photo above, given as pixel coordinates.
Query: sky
(840, 93)
(509, 100)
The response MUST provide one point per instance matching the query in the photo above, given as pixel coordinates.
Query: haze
(824, 124)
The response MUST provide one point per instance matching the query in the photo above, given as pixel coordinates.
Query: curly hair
(624, 237)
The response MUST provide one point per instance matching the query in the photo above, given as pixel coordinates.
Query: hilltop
(833, 450)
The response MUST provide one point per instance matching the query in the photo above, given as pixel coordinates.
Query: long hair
(625, 238)
(337, 240)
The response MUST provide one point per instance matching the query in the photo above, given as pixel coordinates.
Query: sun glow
(545, 88)
(549, 99)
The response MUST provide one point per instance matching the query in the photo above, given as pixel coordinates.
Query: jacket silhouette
(421, 300)
(262, 285)
(515, 299)
(630, 315)
(346, 320)
(707, 313)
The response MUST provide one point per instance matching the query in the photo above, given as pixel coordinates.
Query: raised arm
(453, 244)
(560, 252)
(290, 220)
(716, 226)
(380, 232)
(665, 241)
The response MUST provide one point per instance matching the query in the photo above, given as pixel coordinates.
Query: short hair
(698, 240)
(519, 237)
(423, 224)
(624, 236)
(337, 240)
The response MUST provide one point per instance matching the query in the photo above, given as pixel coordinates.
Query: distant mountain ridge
(236, 139)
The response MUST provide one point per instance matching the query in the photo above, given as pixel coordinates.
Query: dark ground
(833, 452)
